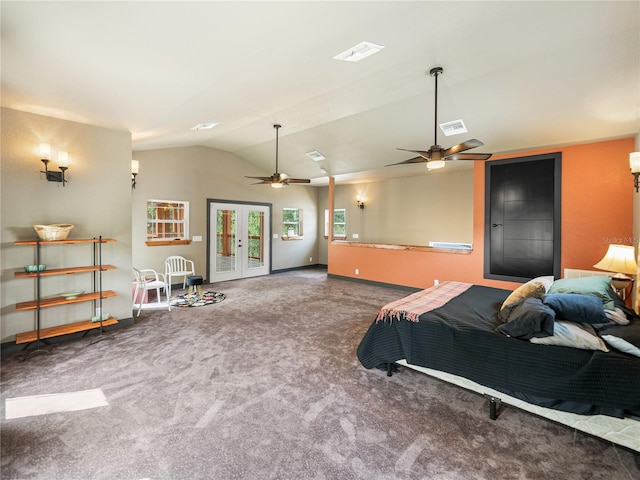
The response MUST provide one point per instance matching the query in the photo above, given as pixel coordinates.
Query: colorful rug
(208, 298)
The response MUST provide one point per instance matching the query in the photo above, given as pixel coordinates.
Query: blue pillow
(576, 308)
(596, 286)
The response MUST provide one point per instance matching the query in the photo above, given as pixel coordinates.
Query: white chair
(177, 266)
(148, 279)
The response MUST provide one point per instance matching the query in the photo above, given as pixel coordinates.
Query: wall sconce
(63, 164)
(135, 166)
(620, 260)
(360, 201)
(634, 164)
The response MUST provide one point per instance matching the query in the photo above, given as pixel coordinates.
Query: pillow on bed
(574, 335)
(625, 338)
(526, 319)
(534, 288)
(576, 308)
(596, 286)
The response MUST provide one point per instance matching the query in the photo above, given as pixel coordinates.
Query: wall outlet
(436, 282)
(355, 235)
(311, 259)
(357, 271)
(275, 235)
(196, 238)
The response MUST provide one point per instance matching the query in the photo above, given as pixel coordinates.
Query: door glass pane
(226, 231)
(255, 238)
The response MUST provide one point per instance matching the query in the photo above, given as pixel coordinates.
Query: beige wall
(195, 174)
(97, 200)
(408, 210)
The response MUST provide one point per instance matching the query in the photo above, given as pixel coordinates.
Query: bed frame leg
(494, 404)
(389, 369)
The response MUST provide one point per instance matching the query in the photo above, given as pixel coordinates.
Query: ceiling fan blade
(426, 155)
(461, 147)
(296, 180)
(264, 179)
(264, 182)
(411, 160)
(470, 156)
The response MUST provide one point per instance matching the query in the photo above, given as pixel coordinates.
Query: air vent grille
(315, 156)
(453, 128)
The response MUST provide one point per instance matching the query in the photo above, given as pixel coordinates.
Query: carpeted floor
(266, 385)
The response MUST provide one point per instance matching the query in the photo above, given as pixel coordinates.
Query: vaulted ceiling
(521, 75)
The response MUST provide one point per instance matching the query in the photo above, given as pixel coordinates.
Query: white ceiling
(520, 74)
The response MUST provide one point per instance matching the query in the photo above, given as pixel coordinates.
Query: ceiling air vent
(453, 128)
(315, 156)
(358, 52)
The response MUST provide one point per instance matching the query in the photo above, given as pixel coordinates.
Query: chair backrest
(177, 265)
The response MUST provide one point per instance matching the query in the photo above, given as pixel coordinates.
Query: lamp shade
(634, 162)
(619, 259)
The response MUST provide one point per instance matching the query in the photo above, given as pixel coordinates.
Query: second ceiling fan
(278, 180)
(436, 155)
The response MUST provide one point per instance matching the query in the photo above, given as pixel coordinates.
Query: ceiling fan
(436, 155)
(278, 180)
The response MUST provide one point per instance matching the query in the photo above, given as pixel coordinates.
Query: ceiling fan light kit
(278, 180)
(437, 155)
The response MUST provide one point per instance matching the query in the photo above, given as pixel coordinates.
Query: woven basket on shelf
(57, 231)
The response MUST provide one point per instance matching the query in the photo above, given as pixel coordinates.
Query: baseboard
(11, 347)
(372, 282)
(303, 267)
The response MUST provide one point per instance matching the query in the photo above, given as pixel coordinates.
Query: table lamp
(620, 260)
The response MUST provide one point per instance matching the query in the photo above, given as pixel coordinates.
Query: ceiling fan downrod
(277, 127)
(436, 72)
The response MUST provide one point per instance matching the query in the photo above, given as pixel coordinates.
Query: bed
(460, 338)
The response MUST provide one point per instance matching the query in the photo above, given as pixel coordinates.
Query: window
(339, 223)
(291, 222)
(167, 220)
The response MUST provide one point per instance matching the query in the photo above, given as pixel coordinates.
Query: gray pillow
(527, 319)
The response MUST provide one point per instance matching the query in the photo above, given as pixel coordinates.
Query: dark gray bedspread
(460, 338)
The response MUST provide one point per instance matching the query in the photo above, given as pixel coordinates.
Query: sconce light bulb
(45, 151)
(634, 162)
(63, 159)
(135, 167)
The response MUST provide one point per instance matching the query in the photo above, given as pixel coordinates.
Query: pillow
(625, 338)
(526, 319)
(546, 280)
(574, 335)
(528, 290)
(576, 308)
(617, 316)
(596, 286)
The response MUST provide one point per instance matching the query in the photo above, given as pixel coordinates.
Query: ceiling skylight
(453, 128)
(204, 126)
(315, 156)
(358, 52)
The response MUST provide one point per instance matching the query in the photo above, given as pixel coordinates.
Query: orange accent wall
(597, 209)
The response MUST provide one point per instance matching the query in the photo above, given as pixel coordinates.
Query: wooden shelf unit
(96, 296)
(64, 271)
(83, 326)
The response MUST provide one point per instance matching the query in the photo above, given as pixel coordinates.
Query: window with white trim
(291, 222)
(167, 220)
(339, 223)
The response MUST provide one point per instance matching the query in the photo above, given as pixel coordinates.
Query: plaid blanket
(411, 307)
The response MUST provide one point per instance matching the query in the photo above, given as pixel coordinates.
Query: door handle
(496, 225)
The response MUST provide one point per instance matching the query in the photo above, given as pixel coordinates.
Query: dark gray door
(522, 218)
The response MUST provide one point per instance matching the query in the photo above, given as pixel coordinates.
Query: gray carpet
(266, 385)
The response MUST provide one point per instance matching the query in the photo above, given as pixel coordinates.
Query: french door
(239, 240)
